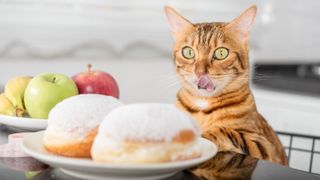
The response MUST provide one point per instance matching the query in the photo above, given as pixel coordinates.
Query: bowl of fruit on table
(27, 101)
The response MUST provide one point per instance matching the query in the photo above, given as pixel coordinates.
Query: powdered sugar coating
(147, 121)
(76, 116)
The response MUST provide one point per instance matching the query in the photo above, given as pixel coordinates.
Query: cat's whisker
(232, 73)
(172, 84)
(168, 81)
(171, 81)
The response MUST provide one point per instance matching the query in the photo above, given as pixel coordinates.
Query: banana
(6, 107)
(14, 91)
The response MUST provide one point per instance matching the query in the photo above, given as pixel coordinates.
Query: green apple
(45, 90)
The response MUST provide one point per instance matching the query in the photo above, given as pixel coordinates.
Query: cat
(211, 61)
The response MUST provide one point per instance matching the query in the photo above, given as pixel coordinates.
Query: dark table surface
(223, 166)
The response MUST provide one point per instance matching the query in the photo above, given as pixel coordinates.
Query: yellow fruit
(14, 91)
(6, 107)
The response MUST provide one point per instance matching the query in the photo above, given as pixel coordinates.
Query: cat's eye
(221, 53)
(188, 52)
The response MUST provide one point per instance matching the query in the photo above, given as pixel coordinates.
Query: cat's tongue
(204, 82)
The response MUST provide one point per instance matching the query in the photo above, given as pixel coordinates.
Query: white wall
(284, 30)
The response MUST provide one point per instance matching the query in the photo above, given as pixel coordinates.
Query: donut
(73, 124)
(146, 133)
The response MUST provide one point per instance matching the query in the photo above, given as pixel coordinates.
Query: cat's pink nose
(201, 74)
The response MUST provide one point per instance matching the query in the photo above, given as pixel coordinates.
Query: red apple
(96, 82)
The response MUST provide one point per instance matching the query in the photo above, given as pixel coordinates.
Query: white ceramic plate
(88, 169)
(24, 123)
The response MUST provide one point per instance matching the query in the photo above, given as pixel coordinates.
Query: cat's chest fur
(205, 120)
(208, 118)
(200, 104)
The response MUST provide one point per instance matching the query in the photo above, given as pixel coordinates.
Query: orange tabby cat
(211, 60)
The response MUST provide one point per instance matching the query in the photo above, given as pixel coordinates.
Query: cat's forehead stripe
(204, 33)
(209, 36)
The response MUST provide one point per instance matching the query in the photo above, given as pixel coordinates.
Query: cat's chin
(205, 93)
(202, 92)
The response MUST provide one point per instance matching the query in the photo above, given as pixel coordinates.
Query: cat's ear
(241, 26)
(179, 25)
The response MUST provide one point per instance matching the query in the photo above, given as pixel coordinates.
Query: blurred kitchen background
(132, 41)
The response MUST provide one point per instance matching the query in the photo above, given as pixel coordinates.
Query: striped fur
(231, 119)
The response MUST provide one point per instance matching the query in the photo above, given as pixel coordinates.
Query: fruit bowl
(24, 123)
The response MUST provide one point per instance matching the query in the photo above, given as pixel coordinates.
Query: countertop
(223, 165)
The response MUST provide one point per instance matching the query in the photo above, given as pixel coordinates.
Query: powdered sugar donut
(146, 133)
(73, 123)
